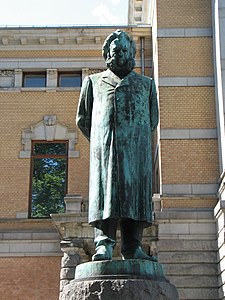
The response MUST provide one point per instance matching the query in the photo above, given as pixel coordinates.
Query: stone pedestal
(120, 280)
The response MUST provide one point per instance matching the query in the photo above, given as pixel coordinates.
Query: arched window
(48, 182)
(49, 144)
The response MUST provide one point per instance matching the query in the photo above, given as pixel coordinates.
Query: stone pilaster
(85, 72)
(52, 78)
(18, 78)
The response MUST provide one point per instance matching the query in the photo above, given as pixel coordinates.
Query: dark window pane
(34, 80)
(69, 80)
(50, 148)
(48, 186)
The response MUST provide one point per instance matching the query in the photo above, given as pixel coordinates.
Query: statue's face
(120, 51)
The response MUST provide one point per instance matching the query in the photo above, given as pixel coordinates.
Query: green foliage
(48, 186)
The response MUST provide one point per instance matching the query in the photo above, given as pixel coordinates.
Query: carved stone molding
(7, 73)
(49, 130)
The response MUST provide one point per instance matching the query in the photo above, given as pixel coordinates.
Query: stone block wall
(187, 247)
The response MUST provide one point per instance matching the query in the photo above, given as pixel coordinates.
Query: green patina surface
(132, 268)
(117, 112)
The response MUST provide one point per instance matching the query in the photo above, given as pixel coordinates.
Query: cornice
(62, 37)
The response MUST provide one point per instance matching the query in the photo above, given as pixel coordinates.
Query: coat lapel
(110, 78)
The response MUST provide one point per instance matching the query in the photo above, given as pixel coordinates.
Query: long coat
(118, 116)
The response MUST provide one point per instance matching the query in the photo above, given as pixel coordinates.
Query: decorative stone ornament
(48, 130)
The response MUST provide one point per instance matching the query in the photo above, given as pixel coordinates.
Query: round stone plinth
(130, 268)
(119, 289)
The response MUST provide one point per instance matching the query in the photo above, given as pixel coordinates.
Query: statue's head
(119, 52)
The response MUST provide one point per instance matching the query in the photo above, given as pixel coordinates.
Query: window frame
(33, 156)
(32, 74)
(79, 74)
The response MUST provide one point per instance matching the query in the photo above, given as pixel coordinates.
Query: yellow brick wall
(61, 53)
(31, 278)
(189, 161)
(187, 107)
(49, 53)
(184, 13)
(19, 110)
(185, 56)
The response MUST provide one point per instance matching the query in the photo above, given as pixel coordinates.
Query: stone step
(194, 216)
(186, 257)
(191, 269)
(181, 245)
(20, 235)
(176, 229)
(198, 293)
(194, 281)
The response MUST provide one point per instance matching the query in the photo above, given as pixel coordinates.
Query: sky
(63, 12)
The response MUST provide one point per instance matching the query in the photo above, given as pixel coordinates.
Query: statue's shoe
(103, 253)
(137, 253)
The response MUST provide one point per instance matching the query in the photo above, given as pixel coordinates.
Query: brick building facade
(181, 44)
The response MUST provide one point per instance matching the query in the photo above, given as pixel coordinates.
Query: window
(68, 79)
(48, 178)
(34, 79)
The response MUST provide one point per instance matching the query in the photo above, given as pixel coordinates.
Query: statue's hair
(117, 35)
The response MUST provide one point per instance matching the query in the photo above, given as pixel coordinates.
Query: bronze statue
(117, 112)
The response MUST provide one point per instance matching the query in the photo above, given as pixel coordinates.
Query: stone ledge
(197, 269)
(184, 215)
(187, 245)
(186, 257)
(194, 281)
(24, 247)
(184, 32)
(33, 254)
(199, 293)
(173, 134)
(190, 229)
(186, 81)
(190, 189)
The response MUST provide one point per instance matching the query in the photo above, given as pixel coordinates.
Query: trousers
(131, 233)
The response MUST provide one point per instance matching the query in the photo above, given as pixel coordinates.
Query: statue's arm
(84, 109)
(154, 114)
